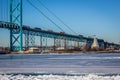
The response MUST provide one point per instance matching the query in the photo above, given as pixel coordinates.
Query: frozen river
(68, 64)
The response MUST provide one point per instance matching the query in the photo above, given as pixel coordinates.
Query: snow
(89, 64)
(58, 77)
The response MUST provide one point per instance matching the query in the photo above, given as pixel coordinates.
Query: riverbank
(60, 52)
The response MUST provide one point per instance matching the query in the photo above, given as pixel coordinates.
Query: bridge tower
(16, 35)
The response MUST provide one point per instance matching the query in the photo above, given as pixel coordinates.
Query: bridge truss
(17, 30)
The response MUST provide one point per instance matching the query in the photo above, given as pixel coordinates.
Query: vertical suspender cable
(7, 10)
(5, 3)
(1, 10)
(14, 4)
(4, 11)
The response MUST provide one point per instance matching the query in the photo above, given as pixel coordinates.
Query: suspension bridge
(12, 19)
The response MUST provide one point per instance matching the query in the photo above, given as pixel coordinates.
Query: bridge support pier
(41, 43)
(66, 44)
(31, 40)
(46, 44)
(26, 40)
(54, 47)
(11, 40)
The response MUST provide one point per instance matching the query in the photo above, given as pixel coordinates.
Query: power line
(56, 16)
(45, 15)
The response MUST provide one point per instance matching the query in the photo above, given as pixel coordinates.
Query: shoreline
(64, 52)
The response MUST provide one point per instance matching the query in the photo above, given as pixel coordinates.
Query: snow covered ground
(58, 77)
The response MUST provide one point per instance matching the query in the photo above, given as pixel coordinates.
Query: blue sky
(85, 17)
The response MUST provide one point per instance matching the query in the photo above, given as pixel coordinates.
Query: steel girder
(30, 38)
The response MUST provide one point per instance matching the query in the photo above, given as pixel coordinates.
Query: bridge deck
(37, 32)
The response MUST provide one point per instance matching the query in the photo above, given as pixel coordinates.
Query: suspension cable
(45, 15)
(56, 17)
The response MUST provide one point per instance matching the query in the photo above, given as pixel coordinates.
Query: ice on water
(58, 77)
(60, 63)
